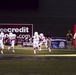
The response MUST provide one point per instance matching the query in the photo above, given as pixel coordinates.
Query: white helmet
(2, 33)
(14, 35)
(35, 33)
(10, 33)
(41, 34)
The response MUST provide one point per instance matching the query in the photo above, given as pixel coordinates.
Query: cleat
(13, 51)
(49, 50)
(40, 49)
(8, 48)
(34, 52)
(1, 52)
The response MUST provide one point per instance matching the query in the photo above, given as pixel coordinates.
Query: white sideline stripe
(46, 49)
(68, 55)
(28, 48)
(33, 49)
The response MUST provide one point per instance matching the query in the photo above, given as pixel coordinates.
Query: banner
(21, 30)
(58, 43)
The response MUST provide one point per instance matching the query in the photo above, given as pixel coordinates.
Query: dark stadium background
(56, 16)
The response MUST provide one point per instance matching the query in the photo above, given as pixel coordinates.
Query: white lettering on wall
(21, 30)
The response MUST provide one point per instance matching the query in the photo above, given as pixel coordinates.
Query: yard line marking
(68, 55)
(46, 49)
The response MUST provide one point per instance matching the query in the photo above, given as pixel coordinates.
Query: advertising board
(21, 30)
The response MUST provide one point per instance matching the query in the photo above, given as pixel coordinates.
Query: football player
(12, 38)
(6, 39)
(41, 40)
(1, 42)
(35, 41)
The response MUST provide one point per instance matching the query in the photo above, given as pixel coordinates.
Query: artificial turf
(38, 67)
(42, 65)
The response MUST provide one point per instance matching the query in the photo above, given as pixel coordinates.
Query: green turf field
(58, 62)
(28, 51)
(38, 67)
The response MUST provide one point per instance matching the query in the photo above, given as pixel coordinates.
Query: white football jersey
(2, 34)
(12, 37)
(36, 38)
(74, 36)
(1, 38)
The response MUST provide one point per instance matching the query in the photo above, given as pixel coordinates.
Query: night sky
(56, 16)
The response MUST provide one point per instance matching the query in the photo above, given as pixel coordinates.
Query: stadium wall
(51, 15)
